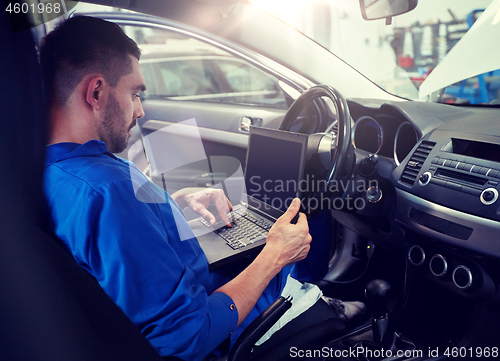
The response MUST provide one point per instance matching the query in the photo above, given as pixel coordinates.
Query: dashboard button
(475, 169)
(454, 186)
(454, 164)
(461, 165)
(440, 161)
(467, 167)
(492, 173)
(447, 163)
(435, 160)
(438, 182)
(470, 190)
(483, 170)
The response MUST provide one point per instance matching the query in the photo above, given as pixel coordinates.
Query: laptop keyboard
(245, 230)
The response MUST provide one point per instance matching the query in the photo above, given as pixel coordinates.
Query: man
(133, 247)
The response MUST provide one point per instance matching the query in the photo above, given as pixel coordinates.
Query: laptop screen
(275, 166)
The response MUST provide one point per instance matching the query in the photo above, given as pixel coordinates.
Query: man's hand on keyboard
(200, 199)
(289, 243)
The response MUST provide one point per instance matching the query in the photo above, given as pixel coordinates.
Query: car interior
(412, 189)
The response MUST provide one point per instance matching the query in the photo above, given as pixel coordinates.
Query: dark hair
(79, 46)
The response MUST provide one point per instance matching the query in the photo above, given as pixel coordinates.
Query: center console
(448, 189)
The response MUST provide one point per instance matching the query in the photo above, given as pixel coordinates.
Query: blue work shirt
(125, 231)
(133, 249)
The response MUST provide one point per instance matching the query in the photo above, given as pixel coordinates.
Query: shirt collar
(60, 151)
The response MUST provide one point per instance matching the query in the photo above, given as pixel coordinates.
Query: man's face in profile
(123, 108)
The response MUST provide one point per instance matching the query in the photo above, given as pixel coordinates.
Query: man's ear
(96, 92)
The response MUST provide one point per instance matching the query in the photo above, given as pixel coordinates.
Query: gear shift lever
(378, 296)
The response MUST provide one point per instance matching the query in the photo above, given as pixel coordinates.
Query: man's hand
(286, 243)
(289, 243)
(199, 199)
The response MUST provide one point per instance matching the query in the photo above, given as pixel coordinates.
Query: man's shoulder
(94, 171)
(87, 165)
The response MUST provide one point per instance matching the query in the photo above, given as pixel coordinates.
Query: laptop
(274, 170)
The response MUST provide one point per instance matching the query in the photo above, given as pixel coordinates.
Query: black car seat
(50, 308)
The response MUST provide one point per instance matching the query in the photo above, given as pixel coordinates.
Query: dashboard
(439, 174)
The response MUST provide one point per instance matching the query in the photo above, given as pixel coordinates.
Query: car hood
(476, 53)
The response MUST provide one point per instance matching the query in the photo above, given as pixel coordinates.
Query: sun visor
(476, 53)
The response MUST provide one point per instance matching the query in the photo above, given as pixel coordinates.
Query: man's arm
(286, 244)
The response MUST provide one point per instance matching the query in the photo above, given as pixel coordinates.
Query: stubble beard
(111, 130)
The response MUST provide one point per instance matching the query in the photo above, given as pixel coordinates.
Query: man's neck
(69, 126)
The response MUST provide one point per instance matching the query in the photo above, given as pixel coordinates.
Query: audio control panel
(473, 179)
(455, 170)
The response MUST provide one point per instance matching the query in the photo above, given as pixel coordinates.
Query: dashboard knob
(462, 277)
(425, 178)
(489, 196)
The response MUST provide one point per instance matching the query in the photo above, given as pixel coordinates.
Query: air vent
(416, 162)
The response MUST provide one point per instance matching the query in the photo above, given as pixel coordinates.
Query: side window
(186, 77)
(244, 78)
(148, 77)
(179, 67)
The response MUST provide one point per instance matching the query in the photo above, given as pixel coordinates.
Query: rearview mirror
(380, 9)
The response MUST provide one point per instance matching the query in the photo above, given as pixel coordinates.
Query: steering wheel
(339, 150)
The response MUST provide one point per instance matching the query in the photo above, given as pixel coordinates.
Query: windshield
(400, 57)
